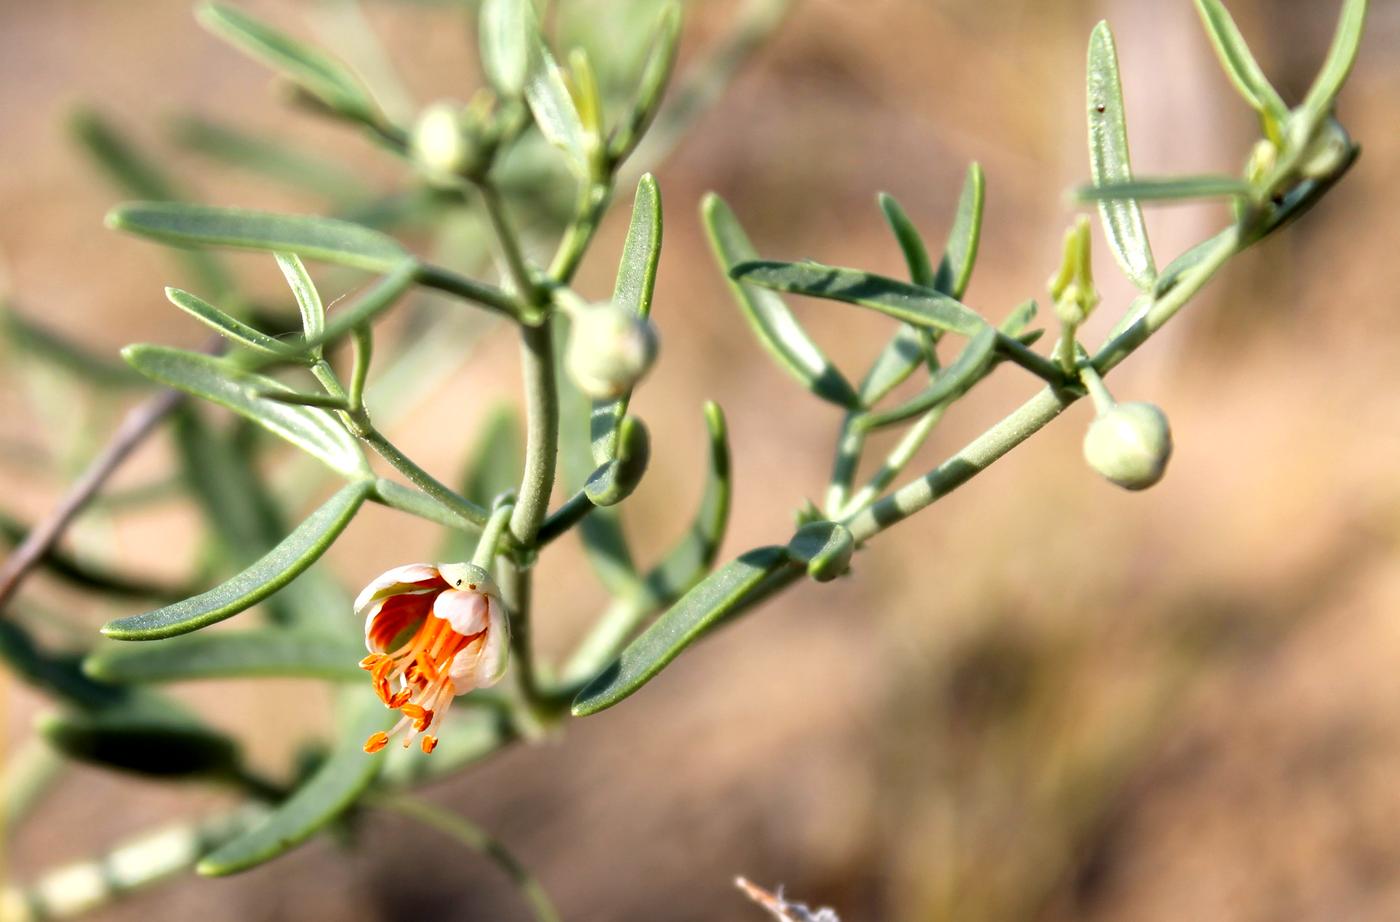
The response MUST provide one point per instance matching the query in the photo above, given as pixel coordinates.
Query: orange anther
(429, 744)
(400, 698)
(376, 741)
(374, 659)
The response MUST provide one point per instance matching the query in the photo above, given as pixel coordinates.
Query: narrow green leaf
(615, 480)
(1016, 322)
(1110, 164)
(328, 793)
(1239, 63)
(960, 253)
(267, 157)
(680, 626)
(693, 556)
(507, 29)
(231, 655)
(547, 94)
(777, 329)
(1346, 41)
(1187, 261)
(1166, 189)
(974, 360)
(235, 331)
(147, 741)
(656, 73)
(277, 568)
(919, 306)
(312, 237)
(312, 430)
(921, 271)
(636, 281)
(313, 312)
(58, 674)
(309, 68)
(896, 362)
(824, 549)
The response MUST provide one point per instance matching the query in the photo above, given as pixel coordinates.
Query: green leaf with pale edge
(347, 772)
(919, 306)
(656, 73)
(960, 253)
(974, 360)
(312, 237)
(312, 430)
(553, 107)
(911, 244)
(506, 30)
(145, 741)
(1340, 58)
(1109, 162)
(230, 328)
(680, 626)
(1244, 72)
(636, 281)
(1166, 189)
(310, 68)
(277, 568)
(309, 305)
(777, 329)
(257, 653)
(689, 560)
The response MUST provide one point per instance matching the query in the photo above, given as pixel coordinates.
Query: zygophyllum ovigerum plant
(462, 625)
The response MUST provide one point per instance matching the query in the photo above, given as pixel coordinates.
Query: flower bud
(1329, 152)
(609, 350)
(439, 143)
(1130, 445)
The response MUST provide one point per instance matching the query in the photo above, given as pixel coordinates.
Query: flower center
(415, 679)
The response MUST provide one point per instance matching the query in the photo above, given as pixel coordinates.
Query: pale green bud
(1130, 445)
(439, 142)
(1262, 161)
(609, 350)
(1330, 151)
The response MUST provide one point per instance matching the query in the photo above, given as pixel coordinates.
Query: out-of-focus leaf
(231, 655)
(893, 366)
(777, 329)
(230, 328)
(636, 280)
(553, 107)
(1166, 189)
(278, 567)
(60, 674)
(679, 627)
(656, 73)
(975, 358)
(960, 253)
(693, 556)
(328, 793)
(271, 158)
(313, 70)
(160, 742)
(1239, 63)
(1187, 261)
(80, 573)
(923, 307)
(507, 28)
(824, 548)
(911, 244)
(1110, 164)
(312, 430)
(1016, 322)
(1340, 58)
(35, 341)
(306, 235)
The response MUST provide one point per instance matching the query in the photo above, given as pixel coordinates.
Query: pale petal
(406, 578)
(465, 611)
(483, 662)
(404, 610)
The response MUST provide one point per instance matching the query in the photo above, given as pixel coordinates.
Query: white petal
(399, 579)
(465, 611)
(483, 662)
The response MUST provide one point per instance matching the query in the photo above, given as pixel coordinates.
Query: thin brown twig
(138, 423)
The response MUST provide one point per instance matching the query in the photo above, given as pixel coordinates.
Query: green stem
(488, 544)
(593, 201)
(542, 432)
(424, 481)
(406, 499)
(516, 591)
(895, 462)
(480, 841)
(520, 275)
(849, 446)
(488, 296)
(363, 340)
(1016, 351)
(1037, 412)
(573, 511)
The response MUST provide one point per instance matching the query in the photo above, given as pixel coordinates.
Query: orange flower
(433, 632)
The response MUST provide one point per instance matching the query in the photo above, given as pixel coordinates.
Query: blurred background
(1044, 698)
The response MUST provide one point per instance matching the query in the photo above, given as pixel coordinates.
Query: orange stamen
(429, 744)
(376, 741)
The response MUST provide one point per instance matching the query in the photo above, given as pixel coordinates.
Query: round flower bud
(1130, 445)
(439, 143)
(610, 349)
(1329, 152)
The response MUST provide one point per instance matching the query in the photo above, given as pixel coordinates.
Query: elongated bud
(1072, 286)
(1130, 444)
(609, 350)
